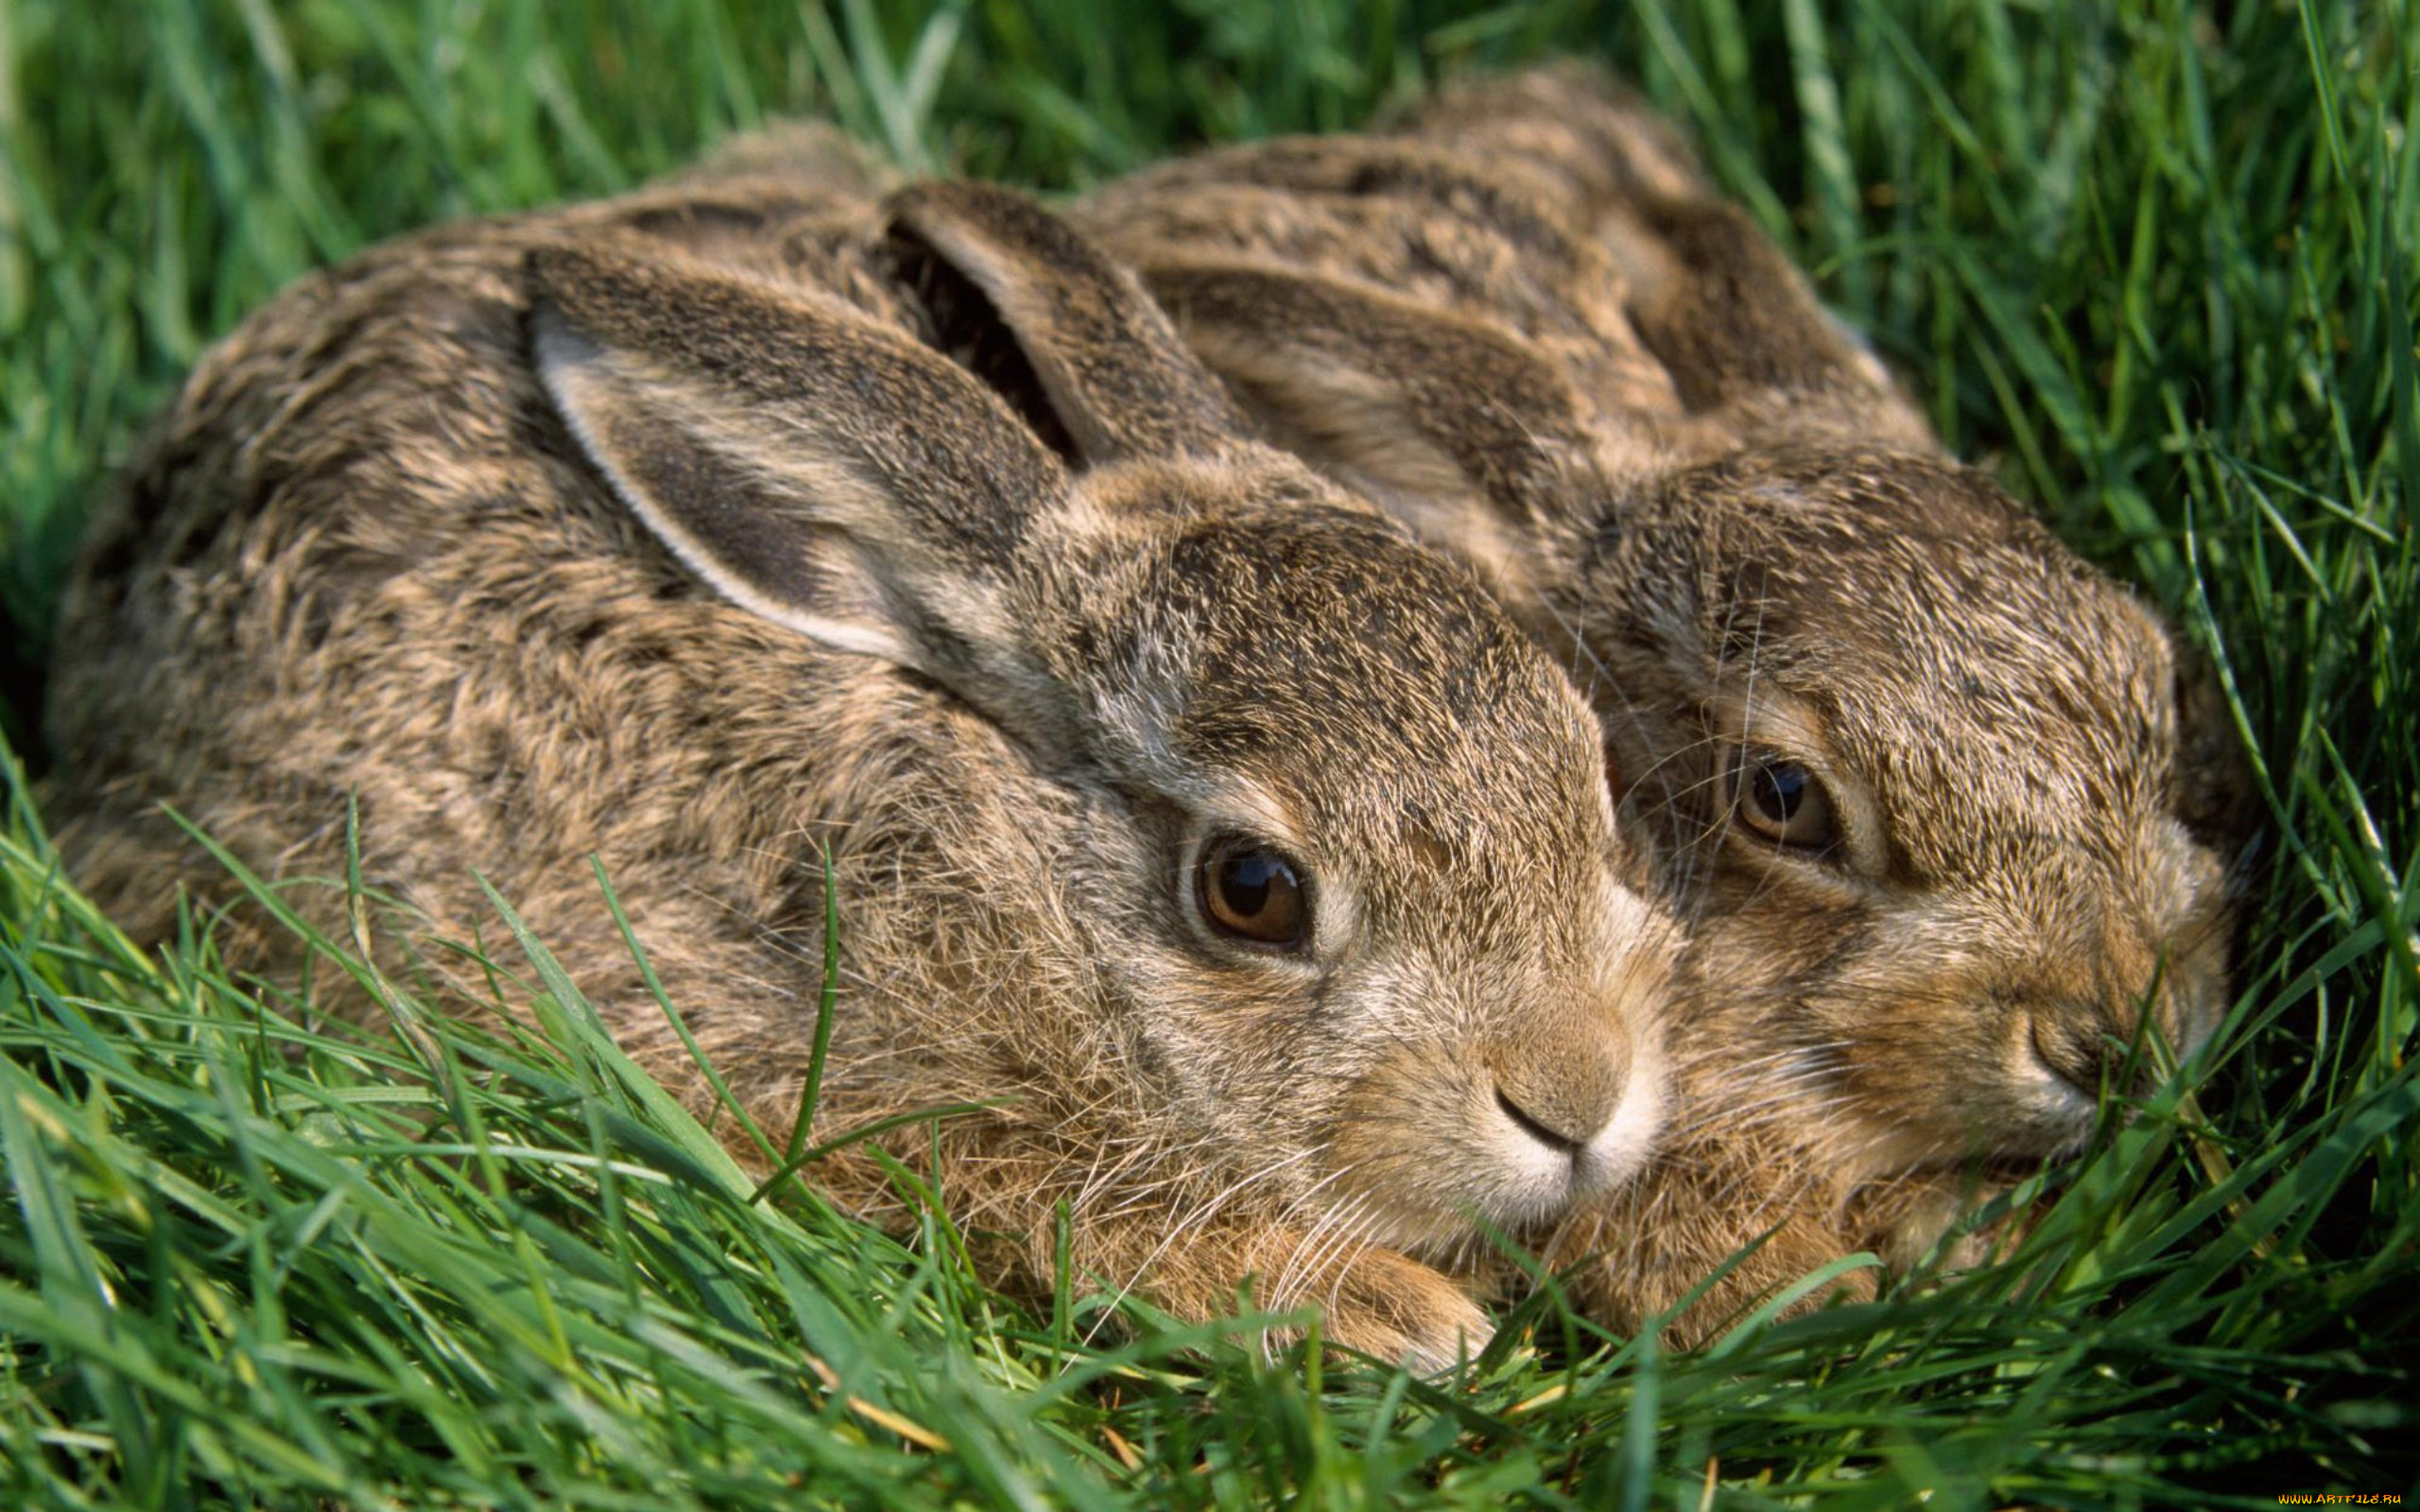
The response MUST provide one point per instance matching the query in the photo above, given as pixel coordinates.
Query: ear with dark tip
(1573, 119)
(2211, 790)
(816, 154)
(1732, 319)
(1712, 296)
(1114, 377)
(1454, 426)
(819, 469)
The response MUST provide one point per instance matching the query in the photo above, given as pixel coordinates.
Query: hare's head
(1923, 782)
(1334, 830)
(1925, 778)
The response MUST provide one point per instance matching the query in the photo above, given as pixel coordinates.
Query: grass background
(2154, 260)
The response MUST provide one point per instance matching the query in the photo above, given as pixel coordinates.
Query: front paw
(1376, 1300)
(1636, 1267)
(1398, 1309)
(1916, 1216)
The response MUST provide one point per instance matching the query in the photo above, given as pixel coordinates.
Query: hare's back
(358, 561)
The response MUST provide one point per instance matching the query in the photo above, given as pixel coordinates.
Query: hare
(1942, 806)
(1245, 863)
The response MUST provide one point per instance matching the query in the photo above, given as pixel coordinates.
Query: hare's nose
(1537, 1129)
(2079, 1043)
(1563, 1096)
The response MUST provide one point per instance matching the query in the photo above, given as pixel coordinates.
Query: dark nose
(1563, 1096)
(2081, 1043)
(1545, 1134)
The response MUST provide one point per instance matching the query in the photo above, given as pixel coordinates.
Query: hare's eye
(1252, 892)
(1782, 800)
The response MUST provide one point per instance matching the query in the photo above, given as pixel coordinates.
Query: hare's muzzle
(2075, 1044)
(1575, 1115)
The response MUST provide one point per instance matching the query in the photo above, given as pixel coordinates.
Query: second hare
(1940, 804)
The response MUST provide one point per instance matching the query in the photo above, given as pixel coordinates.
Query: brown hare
(1238, 853)
(1936, 805)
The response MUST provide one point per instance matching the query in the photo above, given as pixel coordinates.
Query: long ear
(1710, 294)
(1713, 296)
(1111, 371)
(1732, 319)
(827, 474)
(1569, 118)
(1456, 427)
(2212, 788)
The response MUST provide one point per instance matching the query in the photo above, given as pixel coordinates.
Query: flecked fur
(751, 514)
(1520, 320)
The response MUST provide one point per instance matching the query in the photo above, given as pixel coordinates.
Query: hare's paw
(1917, 1216)
(1396, 1309)
(1628, 1269)
(1374, 1300)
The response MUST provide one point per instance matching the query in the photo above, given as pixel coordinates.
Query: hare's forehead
(1995, 763)
(2003, 633)
(1459, 760)
(2018, 692)
(1420, 818)
(1327, 596)
(2009, 711)
(1411, 713)
(1317, 651)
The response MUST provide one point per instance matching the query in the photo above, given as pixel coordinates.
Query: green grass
(2157, 266)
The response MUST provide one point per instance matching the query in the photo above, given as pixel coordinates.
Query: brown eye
(1253, 892)
(1782, 800)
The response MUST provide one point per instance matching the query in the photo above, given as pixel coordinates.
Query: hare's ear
(1572, 119)
(1456, 427)
(1731, 318)
(1740, 330)
(1713, 297)
(829, 475)
(1049, 318)
(2211, 789)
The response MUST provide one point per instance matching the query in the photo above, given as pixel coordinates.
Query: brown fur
(1521, 322)
(701, 528)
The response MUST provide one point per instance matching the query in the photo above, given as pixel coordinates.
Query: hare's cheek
(1408, 1151)
(1926, 1060)
(1772, 956)
(2194, 999)
(1433, 1140)
(1977, 1073)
